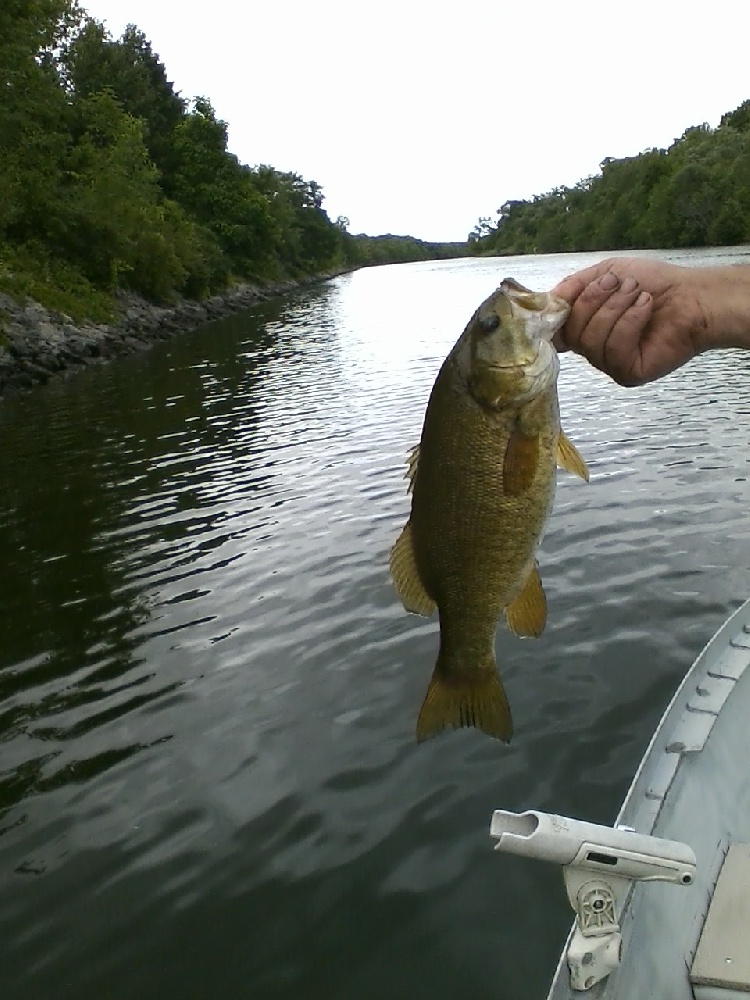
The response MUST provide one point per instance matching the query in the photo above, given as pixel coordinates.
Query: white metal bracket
(596, 945)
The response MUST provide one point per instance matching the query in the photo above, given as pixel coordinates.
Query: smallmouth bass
(482, 481)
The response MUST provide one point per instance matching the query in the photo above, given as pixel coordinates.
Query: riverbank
(37, 344)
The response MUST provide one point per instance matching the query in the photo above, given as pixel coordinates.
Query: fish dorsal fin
(521, 461)
(527, 612)
(411, 472)
(569, 458)
(406, 578)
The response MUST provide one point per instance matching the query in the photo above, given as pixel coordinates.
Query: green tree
(129, 68)
(33, 113)
(220, 193)
(695, 192)
(738, 119)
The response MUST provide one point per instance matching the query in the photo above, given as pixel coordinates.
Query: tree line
(695, 193)
(110, 179)
(390, 249)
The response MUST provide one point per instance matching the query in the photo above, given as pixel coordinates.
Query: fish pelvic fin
(405, 575)
(527, 613)
(569, 458)
(477, 702)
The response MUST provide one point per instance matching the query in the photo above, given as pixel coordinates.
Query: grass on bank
(57, 286)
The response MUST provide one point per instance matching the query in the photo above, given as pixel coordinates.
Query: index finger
(572, 286)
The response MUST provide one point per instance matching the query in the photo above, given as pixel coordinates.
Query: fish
(482, 483)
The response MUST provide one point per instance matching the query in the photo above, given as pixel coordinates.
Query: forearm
(724, 296)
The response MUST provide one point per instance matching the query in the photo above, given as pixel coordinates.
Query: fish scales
(483, 485)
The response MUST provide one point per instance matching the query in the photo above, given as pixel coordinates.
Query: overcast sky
(418, 117)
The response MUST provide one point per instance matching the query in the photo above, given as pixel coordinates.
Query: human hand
(635, 319)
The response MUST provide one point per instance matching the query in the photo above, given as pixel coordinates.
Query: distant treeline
(390, 249)
(110, 179)
(696, 193)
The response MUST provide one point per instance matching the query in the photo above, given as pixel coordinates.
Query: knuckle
(594, 294)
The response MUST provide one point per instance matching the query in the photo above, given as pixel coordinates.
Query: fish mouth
(519, 366)
(543, 313)
(524, 297)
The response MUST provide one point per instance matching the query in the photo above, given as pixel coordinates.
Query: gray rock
(50, 362)
(136, 343)
(34, 313)
(104, 349)
(9, 305)
(48, 333)
(36, 371)
(11, 327)
(18, 346)
(35, 342)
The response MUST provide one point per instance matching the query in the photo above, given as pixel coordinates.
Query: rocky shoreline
(37, 344)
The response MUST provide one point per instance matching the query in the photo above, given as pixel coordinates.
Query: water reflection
(209, 783)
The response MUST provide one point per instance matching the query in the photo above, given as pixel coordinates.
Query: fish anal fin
(569, 458)
(406, 577)
(521, 461)
(527, 613)
(477, 701)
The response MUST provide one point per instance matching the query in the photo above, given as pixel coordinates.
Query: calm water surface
(209, 785)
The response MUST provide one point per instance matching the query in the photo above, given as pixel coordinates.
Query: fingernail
(642, 299)
(609, 281)
(629, 285)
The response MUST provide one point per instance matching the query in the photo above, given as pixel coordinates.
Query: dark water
(209, 785)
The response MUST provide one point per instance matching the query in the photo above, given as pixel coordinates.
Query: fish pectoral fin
(406, 577)
(569, 458)
(477, 701)
(411, 472)
(527, 613)
(521, 461)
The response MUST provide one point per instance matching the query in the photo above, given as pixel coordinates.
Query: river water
(209, 784)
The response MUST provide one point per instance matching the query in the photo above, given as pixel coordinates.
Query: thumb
(559, 343)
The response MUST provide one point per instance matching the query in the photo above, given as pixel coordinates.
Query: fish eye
(489, 323)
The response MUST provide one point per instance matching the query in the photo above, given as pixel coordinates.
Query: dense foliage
(696, 193)
(391, 249)
(110, 179)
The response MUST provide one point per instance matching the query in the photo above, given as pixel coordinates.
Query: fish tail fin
(477, 701)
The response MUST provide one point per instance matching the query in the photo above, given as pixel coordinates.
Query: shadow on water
(87, 466)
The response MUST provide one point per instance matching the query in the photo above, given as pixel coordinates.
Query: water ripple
(209, 782)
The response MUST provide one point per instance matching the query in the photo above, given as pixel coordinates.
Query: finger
(586, 307)
(592, 341)
(573, 285)
(559, 343)
(622, 350)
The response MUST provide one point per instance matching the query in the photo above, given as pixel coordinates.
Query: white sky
(418, 117)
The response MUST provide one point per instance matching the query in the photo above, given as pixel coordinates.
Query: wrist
(723, 295)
